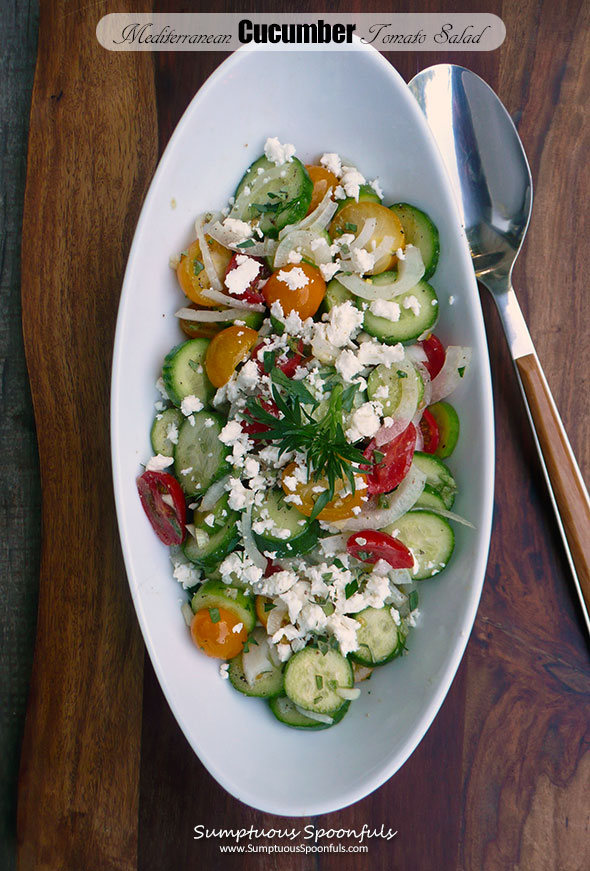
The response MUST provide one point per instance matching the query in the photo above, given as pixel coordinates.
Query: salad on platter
(299, 473)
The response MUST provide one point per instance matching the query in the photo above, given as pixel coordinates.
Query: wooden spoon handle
(569, 490)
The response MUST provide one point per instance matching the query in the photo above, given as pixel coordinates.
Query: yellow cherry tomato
(354, 216)
(192, 275)
(323, 180)
(261, 612)
(306, 299)
(340, 508)
(226, 350)
(218, 638)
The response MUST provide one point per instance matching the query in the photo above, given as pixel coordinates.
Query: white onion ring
(367, 231)
(225, 299)
(209, 315)
(248, 540)
(400, 501)
(212, 275)
(410, 271)
(318, 219)
(213, 494)
(448, 378)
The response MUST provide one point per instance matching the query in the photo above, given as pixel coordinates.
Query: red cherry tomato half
(430, 433)
(250, 294)
(163, 502)
(435, 353)
(391, 462)
(371, 545)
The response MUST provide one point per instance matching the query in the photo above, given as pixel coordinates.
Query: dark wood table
(107, 780)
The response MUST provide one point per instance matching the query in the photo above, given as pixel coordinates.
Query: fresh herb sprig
(329, 456)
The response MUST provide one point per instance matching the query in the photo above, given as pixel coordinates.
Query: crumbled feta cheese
(373, 353)
(277, 153)
(238, 231)
(237, 628)
(348, 365)
(294, 257)
(210, 520)
(160, 387)
(172, 433)
(377, 187)
(331, 161)
(410, 302)
(344, 321)
(239, 279)
(294, 278)
(351, 181)
(364, 423)
(190, 404)
(239, 496)
(158, 463)
(224, 671)
(230, 432)
(329, 270)
(361, 261)
(251, 467)
(383, 308)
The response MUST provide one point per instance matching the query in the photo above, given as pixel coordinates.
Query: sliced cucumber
(409, 326)
(421, 232)
(367, 194)
(212, 542)
(399, 388)
(216, 594)
(285, 711)
(438, 476)
(199, 456)
(447, 421)
(380, 639)
(430, 538)
(184, 372)
(285, 518)
(336, 294)
(430, 498)
(275, 197)
(253, 672)
(165, 422)
(312, 679)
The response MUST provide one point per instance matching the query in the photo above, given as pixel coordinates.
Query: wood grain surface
(92, 150)
(501, 779)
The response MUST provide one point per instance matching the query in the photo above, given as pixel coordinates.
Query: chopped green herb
(413, 600)
(196, 367)
(351, 588)
(197, 266)
(247, 243)
(338, 563)
(401, 373)
(378, 457)
(461, 371)
(351, 227)
(333, 684)
(268, 606)
(319, 681)
(269, 358)
(214, 615)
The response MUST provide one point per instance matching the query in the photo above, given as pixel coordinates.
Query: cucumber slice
(253, 673)
(286, 712)
(438, 476)
(216, 594)
(380, 639)
(409, 326)
(199, 456)
(161, 444)
(336, 294)
(212, 543)
(421, 232)
(302, 535)
(312, 677)
(447, 421)
(430, 538)
(277, 196)
(399, 388)
(184, 372)
(366, 195)
(430, 498)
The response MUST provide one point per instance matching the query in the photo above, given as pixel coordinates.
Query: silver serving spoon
(492, 181)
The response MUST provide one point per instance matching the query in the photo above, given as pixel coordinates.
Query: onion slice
(210, 315)
(365, 234)
(248, 540)
(213, 494)
(212, 275)
(400, 501)
(449, 515)
(448, 378)
(225, 299)
(410, 271)
(317, 220)
(321, 718)
(301, 239)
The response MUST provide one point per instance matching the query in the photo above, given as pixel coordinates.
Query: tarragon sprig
(328, 455)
